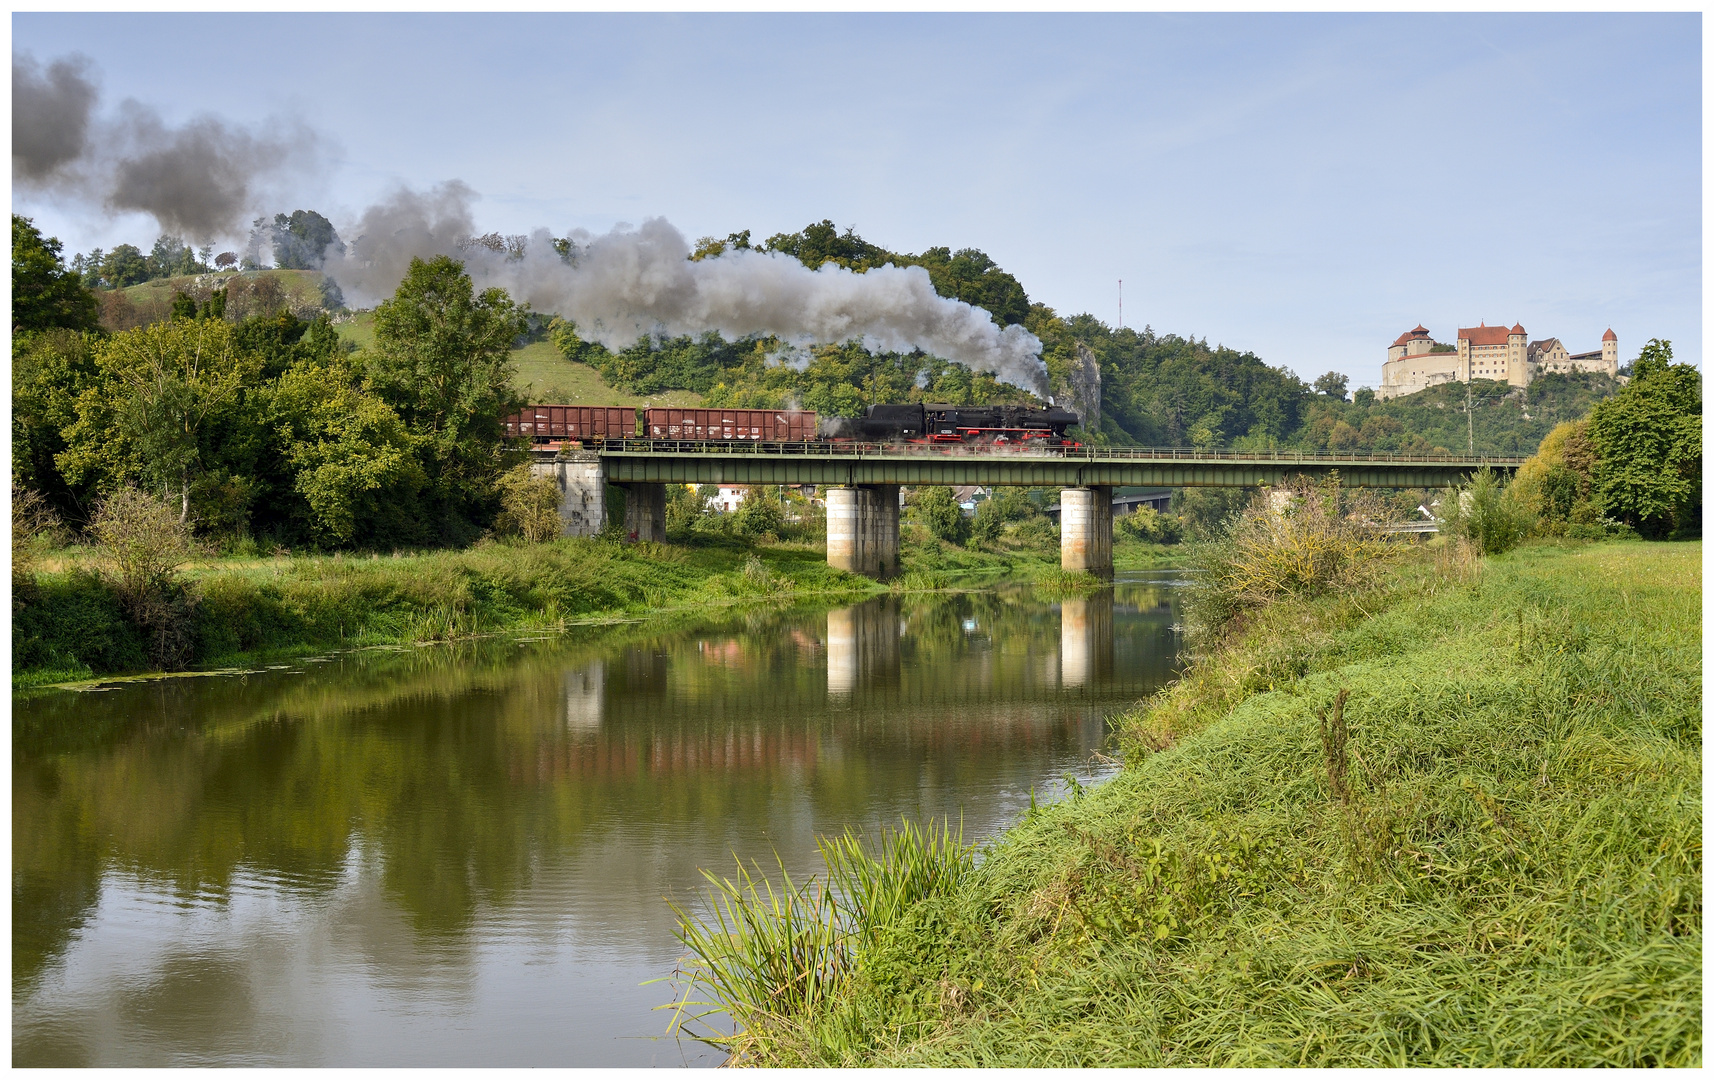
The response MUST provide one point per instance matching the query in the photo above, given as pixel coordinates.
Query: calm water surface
(458, 856)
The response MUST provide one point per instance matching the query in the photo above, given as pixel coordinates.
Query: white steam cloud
(636, 281)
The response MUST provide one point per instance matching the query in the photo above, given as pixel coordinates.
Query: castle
(1416, 361)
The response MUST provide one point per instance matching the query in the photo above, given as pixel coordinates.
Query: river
(459, 855)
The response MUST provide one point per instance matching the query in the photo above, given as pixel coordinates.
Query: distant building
(728, 499)
(1416, 361)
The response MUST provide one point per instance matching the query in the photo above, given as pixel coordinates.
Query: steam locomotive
(991, 425)
(997, 424)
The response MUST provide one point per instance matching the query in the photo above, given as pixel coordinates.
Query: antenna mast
(1121, 303)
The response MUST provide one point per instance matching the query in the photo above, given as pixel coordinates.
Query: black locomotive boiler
(979, 424)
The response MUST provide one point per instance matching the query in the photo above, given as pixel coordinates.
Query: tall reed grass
(772, 956)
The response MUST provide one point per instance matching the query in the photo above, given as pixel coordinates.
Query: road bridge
(862, 482)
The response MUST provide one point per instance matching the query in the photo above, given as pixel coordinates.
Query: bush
(145, 544)
(1298, 540)
(1486, 513)
(34, 524)
(761, 514)
(1206, 513)
(1149, 525)
(74, 627)
(529, 505)
(939, 512)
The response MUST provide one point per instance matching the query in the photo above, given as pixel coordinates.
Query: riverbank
(250, 609)
(1452, 820)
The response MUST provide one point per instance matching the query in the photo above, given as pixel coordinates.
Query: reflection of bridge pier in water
(862, 645)
(1086, 640)
(585, 691)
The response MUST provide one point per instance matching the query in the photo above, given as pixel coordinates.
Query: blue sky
(1306, 187)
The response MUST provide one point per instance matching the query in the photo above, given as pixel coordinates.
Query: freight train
(989, 425)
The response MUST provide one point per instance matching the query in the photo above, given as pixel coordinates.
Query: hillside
(544, 374)
(248, 293)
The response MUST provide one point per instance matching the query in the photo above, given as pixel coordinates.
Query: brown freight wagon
(761, 425)
(556, 423)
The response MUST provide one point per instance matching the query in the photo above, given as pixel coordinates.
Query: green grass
(1496, 860)
(550, 379)
(544, 375)
(359, 329)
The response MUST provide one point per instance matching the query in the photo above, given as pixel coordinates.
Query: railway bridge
(862, 481)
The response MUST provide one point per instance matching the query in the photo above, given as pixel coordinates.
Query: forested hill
(1158, 390)
(1162, 390)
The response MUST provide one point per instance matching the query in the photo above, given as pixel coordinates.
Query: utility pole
(1121, 303)
(1469, 418)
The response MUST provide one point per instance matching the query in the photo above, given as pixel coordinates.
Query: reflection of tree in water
(466, 772)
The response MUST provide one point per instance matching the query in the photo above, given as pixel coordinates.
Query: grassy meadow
(1451, 819)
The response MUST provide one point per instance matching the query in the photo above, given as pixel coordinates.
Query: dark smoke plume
(50, 114)
(201, 179)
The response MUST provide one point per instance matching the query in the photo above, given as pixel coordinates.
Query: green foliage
(1293, 541)
(282, 339)
(49, 370)
(73, 627)
(1555, 486)
(45, 295)
(301, 241)
(1149, 525)
(1648, 446)
(760, 514)
(1206, 513)
(172, 257)
(304, 603)
(157, 391)
(1332, 385)
(124, 265)
(529, 505)
(940, 514)
(442, 360)
(1487, 513)
(354, 464)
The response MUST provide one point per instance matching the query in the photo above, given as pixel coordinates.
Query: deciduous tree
(1648, 446)
(44, 293)
(443, 359)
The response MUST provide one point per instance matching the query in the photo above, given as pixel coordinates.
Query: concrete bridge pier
(1086, 530)
(645, 513)
(582, 491)
(863, 529)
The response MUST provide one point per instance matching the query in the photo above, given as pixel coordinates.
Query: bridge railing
(1026, 451)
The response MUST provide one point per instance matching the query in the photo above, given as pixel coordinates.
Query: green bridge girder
(643, 461)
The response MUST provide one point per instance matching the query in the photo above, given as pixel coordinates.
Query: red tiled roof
(1405, 338)
(1485, 335)
(1518, 329)
(1609, 335)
